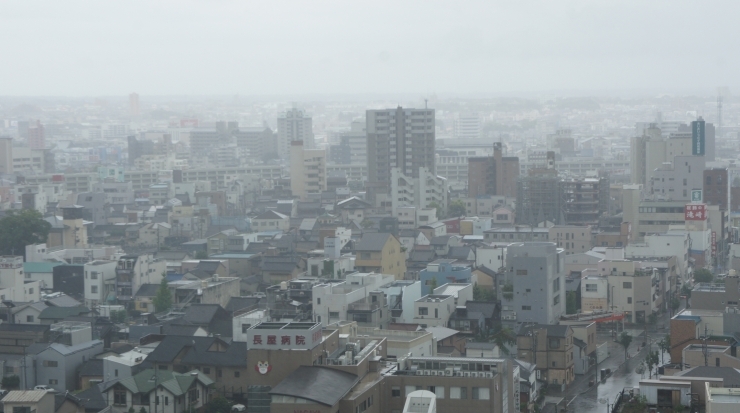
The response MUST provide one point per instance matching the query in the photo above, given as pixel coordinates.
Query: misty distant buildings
(6, 155)
(260, 141)
(307, 170)
(467, 126)
(133, 105)
(397, 138)
(36, 138)
(294, 125)
(138, 148)
(352, 147)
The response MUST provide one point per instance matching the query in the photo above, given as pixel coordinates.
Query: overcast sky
(183, 47)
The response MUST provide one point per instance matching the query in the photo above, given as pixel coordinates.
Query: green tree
(625, 340)
(142, 410)
(508, 291)
(664, 345)
(439, 208)
(571, 304)
(652, 319)
(502, 337)
(118, 316)
(432, 285)
(367, 224)
(651, 361)
(201, 255)
(217, 404)
(21, 228)
(457, 209)
(328, 270)
(675, 303)
(163, 299)
(482, 294)
(703, 275)
(11, 382)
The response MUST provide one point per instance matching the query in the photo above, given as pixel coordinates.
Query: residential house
(153, 234)
(98, 275)
(550, 348)
(271, 221)
(380, 252)
(434, 310)
(276, 269)
(163, 391)
(441, 245)
(357, 298)
(57, 365)
(222, 361)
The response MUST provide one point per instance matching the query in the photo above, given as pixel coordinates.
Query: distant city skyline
(283, 48)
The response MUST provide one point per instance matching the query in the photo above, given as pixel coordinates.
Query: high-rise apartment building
(133, 104)
(36, 138)
(493, 175)
(397, 138)
(294, 125)
(307, 170)
(352, 147)
(260, 141)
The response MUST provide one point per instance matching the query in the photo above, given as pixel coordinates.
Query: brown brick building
(493, 175)
(717, 187)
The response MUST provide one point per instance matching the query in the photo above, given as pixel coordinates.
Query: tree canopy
(703, 275)
(163, 299)
(625, 340)
(21, 228)
(456, 209)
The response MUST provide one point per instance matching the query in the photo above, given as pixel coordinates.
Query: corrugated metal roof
(24, 396)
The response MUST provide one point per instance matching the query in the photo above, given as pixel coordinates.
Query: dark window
(627, 285)
(395, 391)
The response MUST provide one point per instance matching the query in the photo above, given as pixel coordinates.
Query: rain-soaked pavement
(584, 399)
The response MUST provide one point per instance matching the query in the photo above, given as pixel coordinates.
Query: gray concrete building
(397, 138)
(294, 125)
(57, 364)
(533, 286)
(674, 181)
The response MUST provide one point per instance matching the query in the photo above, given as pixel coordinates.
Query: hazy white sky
(296, 47)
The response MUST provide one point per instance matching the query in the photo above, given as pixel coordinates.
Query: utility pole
(704, 348)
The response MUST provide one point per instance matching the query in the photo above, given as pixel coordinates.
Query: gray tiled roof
(372, 241)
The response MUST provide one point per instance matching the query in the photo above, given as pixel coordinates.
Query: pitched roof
(93, 398)
(421, 255)
(488, 309)
(197, 351)
(60, 313)
(202, 313)
(553, 330)
(372, 241)
(63, 301)
(441, 333)
(175, 383)
(440, 240)
(147, 290)
(271, 215)
(460, 253)
(238, 303)
(731, 376)
(318, 384)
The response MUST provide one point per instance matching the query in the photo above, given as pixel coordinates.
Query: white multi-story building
(331, 301)
(594, 293)
(401, 297)
(13, 285)
(97, 287)
(433, 310)
(420, 192)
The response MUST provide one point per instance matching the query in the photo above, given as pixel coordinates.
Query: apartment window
(365, 255)
(50, 363)
(219, 373)
(553, 343)
(30, 290)
(481, 393)
(206, 370)
(236, 374)
(333, 314)
(526, 307)
(591, 287)
(629, 300)
(53, 381)
(627, 285)
(94, 275)
(423, 311)
(458, 392)
(166, 400)
(395, 391)
(521, 272)
(556, 300)
(29, 319)
(556, 285)
(94, 289)
(318, 301)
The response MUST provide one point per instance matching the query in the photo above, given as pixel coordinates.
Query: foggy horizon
(337, 49)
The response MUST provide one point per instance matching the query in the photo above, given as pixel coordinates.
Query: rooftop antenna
(425, 103)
